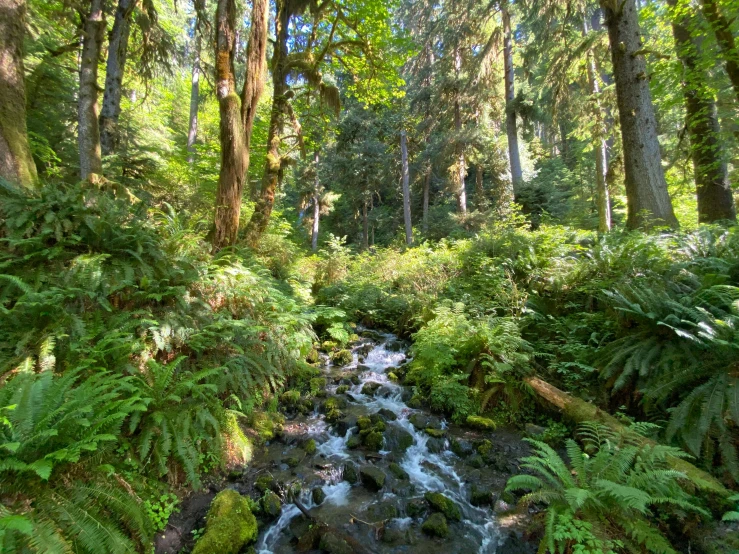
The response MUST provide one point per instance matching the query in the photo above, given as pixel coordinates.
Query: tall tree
(192, 128)
(114, 71)
(649, 203)
(16, 161)
(721, 26)
(406, 189)
(88, 132)
(316, 204)
(510, 96)
(459, 167)
(236, 114)
(715, 197)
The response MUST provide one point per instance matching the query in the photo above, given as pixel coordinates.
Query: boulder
(370, 388)
(345, 423)
(436, 433)
(435, 526)
(341, 389)
(416, 507)
(397, 439)
(372, 477)
(387, 415)
(265, 483)
(399, 472)
(373, 440)
(481, 423)
(355, 441)
(271, 505)
(382, 511)
(350, 473)
(441, 503)
(395, 532)
(342, 357)
(462, 448)
(318, 495)
(334, 544)
(229, 526)
(422, 421)
(480, 496)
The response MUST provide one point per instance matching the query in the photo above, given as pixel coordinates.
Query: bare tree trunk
(722, 29)
(88, 133)
(649, 203)
(600, 147)
(16, 161)
(237, 114)
(426, 187)
(316, 207)
(715, 198)
(365, 226)
(263, 210)
(406, 190)
(114, 71)
(460, 168)
(192, 131)
(510, 96)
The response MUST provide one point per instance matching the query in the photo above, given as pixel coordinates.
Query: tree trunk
(88, 133)
(237, 114)
(263, 209)
(460, 167)
(479, 190)
(722, 29)
(192, 131)
(715, 198)
(580, 411)
(114, 71)
(365, 226)
(510, 96)
(600, 147)
(406, 190)
(16, 161)
(426, 187)
(316, 208)
(646, 190)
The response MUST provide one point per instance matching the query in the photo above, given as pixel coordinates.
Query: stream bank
(384, 477)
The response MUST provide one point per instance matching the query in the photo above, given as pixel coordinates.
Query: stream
(375, 497)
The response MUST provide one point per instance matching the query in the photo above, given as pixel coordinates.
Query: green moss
(485, 447)
(342, 357)
(435, 526)
(442, 504)
(290, 398)
(481, 423)
(229, 526)
(310, 447)
(271, 505)
(264, 483)
(342, 389)
(267, 425)
(317, 385)
(398, 471)
(328, 345)
(374, 440)
(436, 433)
(312, 357)
(354, 441)
(364, 423)
(392, 376)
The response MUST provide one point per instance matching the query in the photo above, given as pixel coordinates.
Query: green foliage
(160, 509)
(611, 487)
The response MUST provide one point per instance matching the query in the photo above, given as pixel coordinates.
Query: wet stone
(423, 421)
(475, 461)
(264, 483)
(480, 496)
(436, 433)
(397, 439)
(350, 473)
(416, 507)
(394, 532)
(370, 388)
(436, 446)
(373, 478)
(344, 424)
(382, 511)
(333, 544)
(435, 526)
(318, 495)
(442, 504)
(398, 471)
(387, 415)
(355, 379)
(355, 441)
(271, 505)
(462, 448)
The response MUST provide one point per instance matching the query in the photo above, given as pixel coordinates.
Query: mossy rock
(398, 439)
(364, 423)
(317, 385)
(481, 497)
(436, 433)
(372, 477)
(355, 441)
(295, 457)
(350, 474)
(382, 511)
(392, 376)
(481, 423)
(267, 425)
(341, 389)
(334, 544)
(264, 483)
(387, 415)
(475, 461)
(318, 496)
(416, 507)
(229, 526)
(415, 402)
(436, 526)
(374, 440)
(342, 357)
(355, 379)
(442, 504)
(398, 471)
(290, 398)
(484, 447)
(271, 505)
(462, 448)
(370, 388)
(310, 447)
(312, 357)
(332, 408)
(329, 345)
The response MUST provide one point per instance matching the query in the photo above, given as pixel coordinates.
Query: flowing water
(362, 513)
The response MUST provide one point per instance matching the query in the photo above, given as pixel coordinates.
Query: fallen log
(580, 411)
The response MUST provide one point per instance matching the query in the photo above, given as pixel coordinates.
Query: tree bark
(263, 209)
(460, 167)
(649, 203)
(406, 190)
(580, 411)
(600, 146)
(114, 71)
(88, 133)
(426, 187)
(479, 190)
(715, 198)
(316, 207)
(727, 44)
(16, 161)
(192, 132)
(510, 95)
(365, 226)
(236, 114)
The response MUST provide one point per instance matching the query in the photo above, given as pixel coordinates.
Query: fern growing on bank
(607, 497)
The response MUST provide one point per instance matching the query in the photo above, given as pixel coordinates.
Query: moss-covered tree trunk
(270, 180)
(88, 132)
(16, 162)
(721, 26)
(114, 70)
(649, 203)
(236, 114)
(715, 197)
